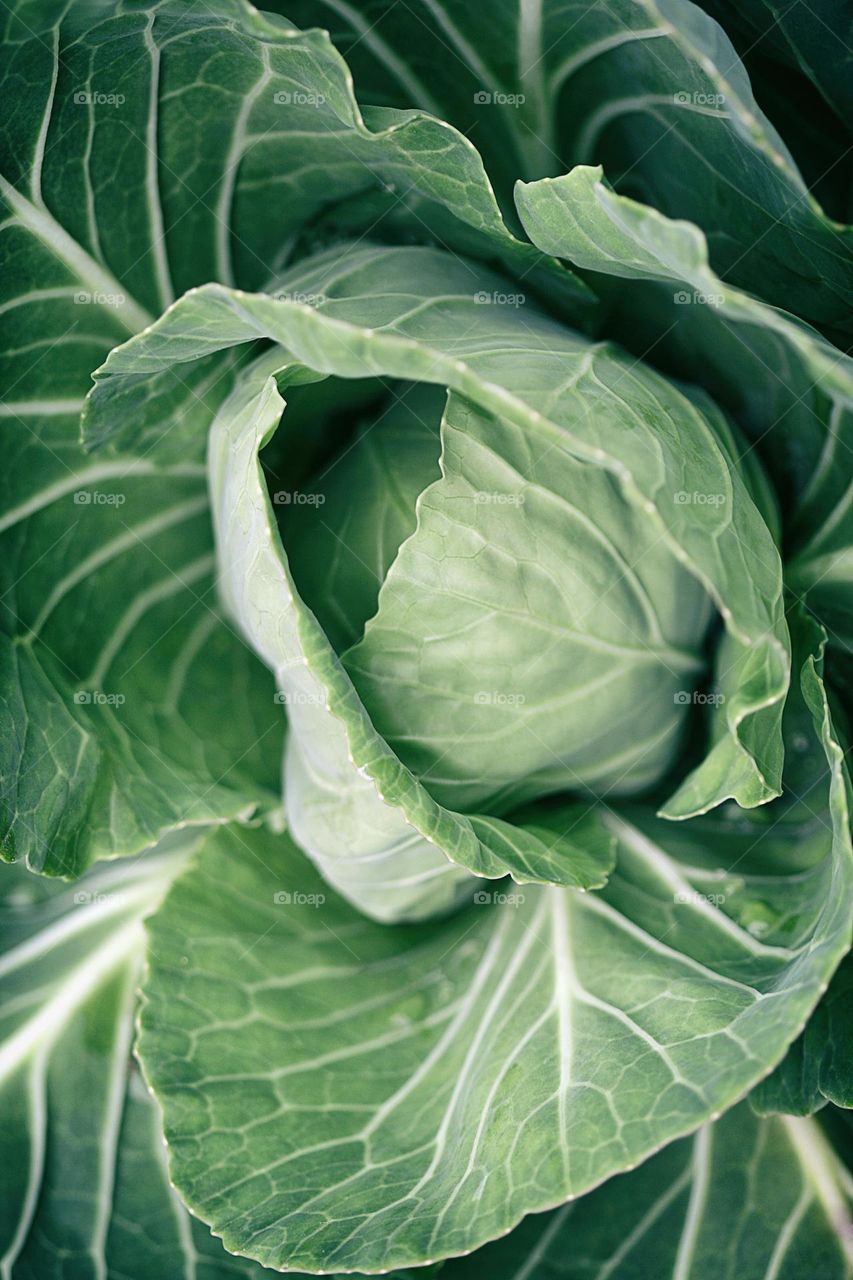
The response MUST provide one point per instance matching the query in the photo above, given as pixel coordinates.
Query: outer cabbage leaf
(130, 706)
(741, 1200)
(84, 1189)
(484, 1066)
(218, 112)
(652, 89)
(816, 37)
(792, 390)
(77, 952)
(798, 59)
(818, 1068)
(822, 568)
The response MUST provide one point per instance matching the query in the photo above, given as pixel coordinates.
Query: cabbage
(425, 645)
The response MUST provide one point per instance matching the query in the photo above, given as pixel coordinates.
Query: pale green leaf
(741, 1200)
